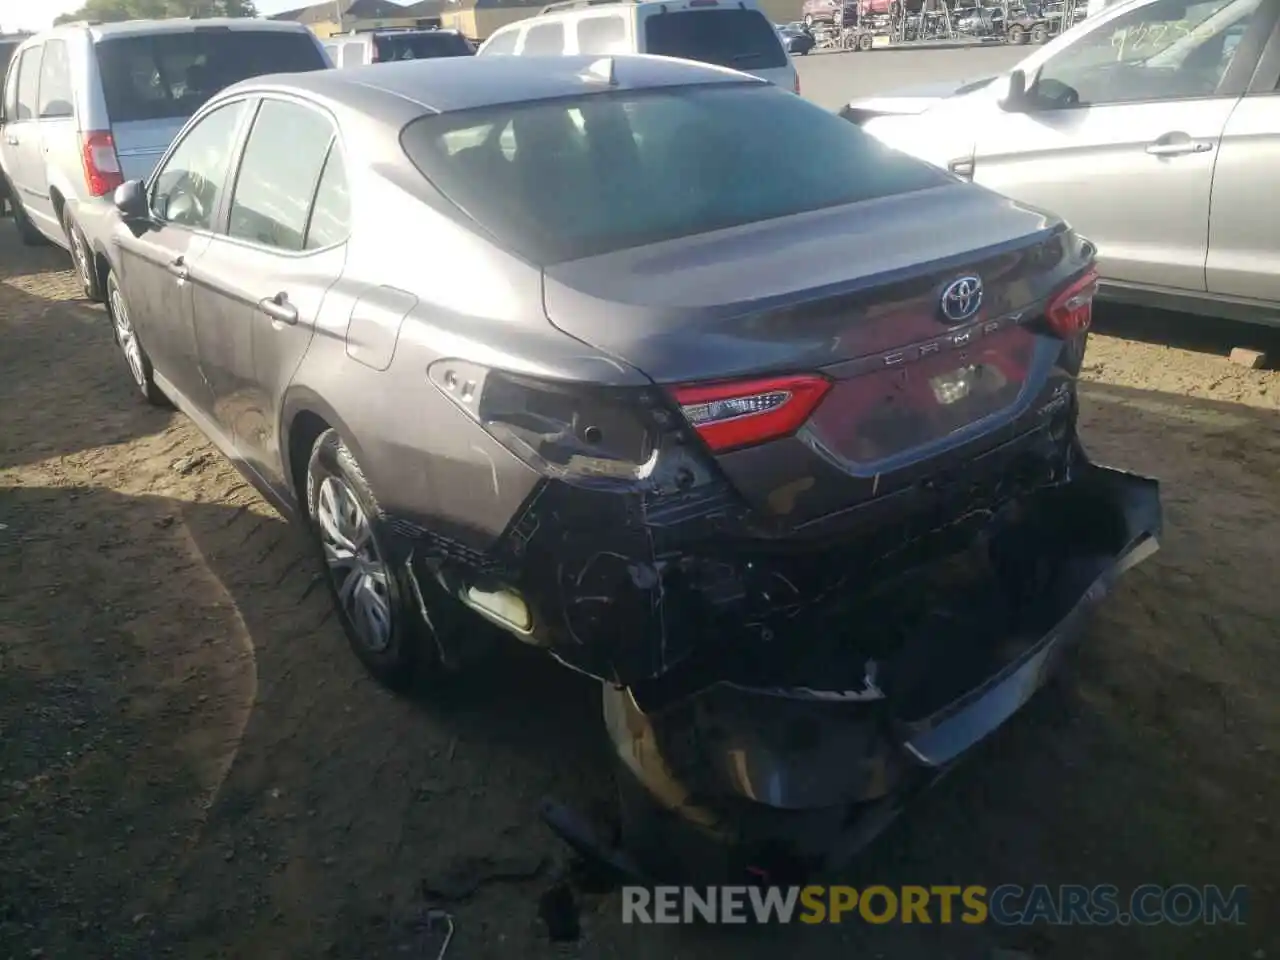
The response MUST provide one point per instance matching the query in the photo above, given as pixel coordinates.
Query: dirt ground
(193, 765)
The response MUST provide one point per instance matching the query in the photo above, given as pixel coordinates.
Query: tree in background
(109, 11)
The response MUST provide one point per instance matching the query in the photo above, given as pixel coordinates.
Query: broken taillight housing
(566, 430)
(746, 412)
(1070, 312)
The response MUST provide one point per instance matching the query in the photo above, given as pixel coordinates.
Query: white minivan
(732, 34)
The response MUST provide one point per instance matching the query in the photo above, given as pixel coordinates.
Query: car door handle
(11, 140)
(179, 269)
(1179, 148)
(279, 308)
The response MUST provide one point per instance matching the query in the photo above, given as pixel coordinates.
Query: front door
(160, 263)
(266, 274)
(1121, 130)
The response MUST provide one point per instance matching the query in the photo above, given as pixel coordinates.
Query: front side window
(738, 38)
(11, 89)
(558, 180)
(283, 157)
(28, 106)
(1166, 50)
(544, 40)
(167, 76)
(55, 82)
(189, 187)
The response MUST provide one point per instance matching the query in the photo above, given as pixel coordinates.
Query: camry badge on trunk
(961, 299)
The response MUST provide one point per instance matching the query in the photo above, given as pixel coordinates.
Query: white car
(89, 106)
(1152, 127)
(730, 34)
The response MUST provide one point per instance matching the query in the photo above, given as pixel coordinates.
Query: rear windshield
(737, 38)
(421, 46)
(170, 75)
(564, 179)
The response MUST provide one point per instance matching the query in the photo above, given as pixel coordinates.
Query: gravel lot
(193, 765)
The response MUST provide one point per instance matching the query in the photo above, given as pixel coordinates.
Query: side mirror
(1013, 97)
(130, 199)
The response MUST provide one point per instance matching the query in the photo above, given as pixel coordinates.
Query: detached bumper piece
(795, 771)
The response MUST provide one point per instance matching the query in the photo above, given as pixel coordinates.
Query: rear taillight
(746, 412)
(1070, 312)
(101, 165)
(796, 83)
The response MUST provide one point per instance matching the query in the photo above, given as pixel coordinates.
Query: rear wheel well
(59, 203)
(303, 433)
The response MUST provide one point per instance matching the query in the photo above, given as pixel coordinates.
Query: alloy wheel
(81, 253)
(127, 339)
(360, 576)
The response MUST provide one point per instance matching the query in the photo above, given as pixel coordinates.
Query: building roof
(351, 9)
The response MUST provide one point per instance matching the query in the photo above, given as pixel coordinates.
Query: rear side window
(544, 40)
(331, 216)
(420, 46)
(737, 38)
(504, 42)
(55, 82)
(171, 75)
(564, 179)
(28, 84)
(282, 162)
(601, 34)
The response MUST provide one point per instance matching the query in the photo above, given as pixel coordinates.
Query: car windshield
(564, 179)
(420, 46)
(170, 75)
(737, 38)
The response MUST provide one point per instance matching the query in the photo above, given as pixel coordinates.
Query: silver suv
(89, 106)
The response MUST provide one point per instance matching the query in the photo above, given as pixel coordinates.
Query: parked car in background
(620, 377)
(796, 38)
(1154, 126)
(730, 34)
(8, 44)
(385, 46)
(87, 107)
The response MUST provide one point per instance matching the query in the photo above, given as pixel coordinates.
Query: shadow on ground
(194, 763)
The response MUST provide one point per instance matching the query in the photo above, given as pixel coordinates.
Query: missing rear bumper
(795, 770)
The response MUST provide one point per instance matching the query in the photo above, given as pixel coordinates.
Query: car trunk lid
(852, 295)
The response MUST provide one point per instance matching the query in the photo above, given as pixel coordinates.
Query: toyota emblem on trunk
(962, 299)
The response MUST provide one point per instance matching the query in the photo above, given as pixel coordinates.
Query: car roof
(136, 28)
(447, 84)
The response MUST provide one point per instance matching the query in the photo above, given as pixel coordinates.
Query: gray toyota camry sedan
(662, 369)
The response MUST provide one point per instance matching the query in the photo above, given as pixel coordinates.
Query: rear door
(726, 35)
(1244, 229)
(264, 275)
(153, 83)
(1124, 130)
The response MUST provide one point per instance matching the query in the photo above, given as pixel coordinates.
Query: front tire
(372, 594)
(1017, 36)
(135, 357)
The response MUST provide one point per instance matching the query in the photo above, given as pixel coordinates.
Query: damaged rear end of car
(843, 530)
